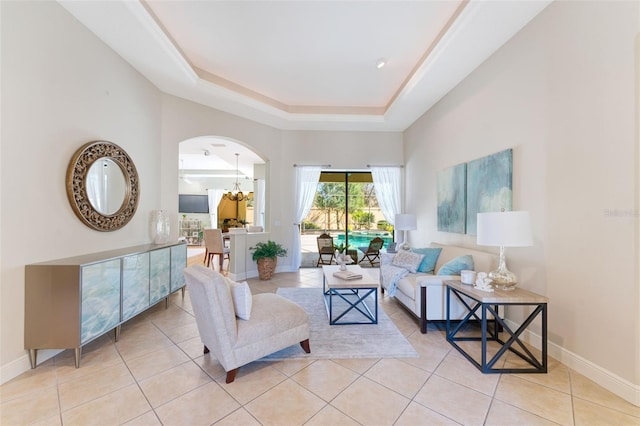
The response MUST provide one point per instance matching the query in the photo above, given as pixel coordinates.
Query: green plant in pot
(340, 248)
(266, 255)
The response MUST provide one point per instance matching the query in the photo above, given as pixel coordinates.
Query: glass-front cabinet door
(100, 310)
(178, 263)
(135, 285)
(160, 274)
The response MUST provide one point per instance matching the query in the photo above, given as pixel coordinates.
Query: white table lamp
(504, 229)
(405, 222)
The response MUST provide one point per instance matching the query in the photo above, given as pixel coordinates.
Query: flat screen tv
(193, 203)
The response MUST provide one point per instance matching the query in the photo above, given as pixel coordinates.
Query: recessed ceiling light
(381, 63)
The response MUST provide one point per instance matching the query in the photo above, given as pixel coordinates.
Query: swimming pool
(362, 238)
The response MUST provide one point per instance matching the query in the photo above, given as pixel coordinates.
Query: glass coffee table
(344, 297)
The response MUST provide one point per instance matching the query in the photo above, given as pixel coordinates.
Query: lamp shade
(505, 229)
(405, 222)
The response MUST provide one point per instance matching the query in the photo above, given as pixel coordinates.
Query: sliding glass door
(346, 208)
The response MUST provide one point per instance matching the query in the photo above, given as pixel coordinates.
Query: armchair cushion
(242, 299)
(454, 266)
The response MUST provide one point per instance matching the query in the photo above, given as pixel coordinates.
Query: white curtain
(307, 178)
(388, 184)
(214, 197)
(258, 203)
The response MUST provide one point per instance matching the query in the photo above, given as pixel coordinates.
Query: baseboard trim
(20, 365)
(612, 382)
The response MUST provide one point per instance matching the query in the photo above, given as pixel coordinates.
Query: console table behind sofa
(70, 302)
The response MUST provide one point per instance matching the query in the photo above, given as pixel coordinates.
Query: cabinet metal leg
(33, 353)
(423, 310)
(166, 302)
(78, 354)
(117, 332)
(184, 287)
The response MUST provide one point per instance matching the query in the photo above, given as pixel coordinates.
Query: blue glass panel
(178, 263)
(160, 274)
(100, 298)
(135, 284)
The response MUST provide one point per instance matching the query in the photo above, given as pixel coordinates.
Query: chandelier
(236, 193)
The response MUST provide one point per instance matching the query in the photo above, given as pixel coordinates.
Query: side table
(473, 300)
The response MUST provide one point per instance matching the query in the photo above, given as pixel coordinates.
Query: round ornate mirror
(102, 186)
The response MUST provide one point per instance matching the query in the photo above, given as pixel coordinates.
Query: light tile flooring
(156, 374)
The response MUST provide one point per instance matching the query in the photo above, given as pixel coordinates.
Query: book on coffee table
(347, 275)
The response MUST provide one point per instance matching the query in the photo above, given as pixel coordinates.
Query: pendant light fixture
(236, 194)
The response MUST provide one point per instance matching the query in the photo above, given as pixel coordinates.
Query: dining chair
(214, 245)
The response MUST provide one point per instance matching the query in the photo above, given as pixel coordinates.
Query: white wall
(61, 88)
(562, 93)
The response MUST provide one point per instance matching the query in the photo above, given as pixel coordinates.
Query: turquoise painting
(489, 186)
(451, 199)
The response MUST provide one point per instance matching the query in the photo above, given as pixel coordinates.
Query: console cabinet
(70, 302)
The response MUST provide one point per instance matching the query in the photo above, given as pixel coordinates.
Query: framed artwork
(489, 186)
(451, 199)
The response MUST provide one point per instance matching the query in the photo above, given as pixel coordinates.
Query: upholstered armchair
(273, 323)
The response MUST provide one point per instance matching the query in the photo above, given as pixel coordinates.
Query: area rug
(382, 340)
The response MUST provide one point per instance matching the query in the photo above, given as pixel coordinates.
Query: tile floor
(156, 374)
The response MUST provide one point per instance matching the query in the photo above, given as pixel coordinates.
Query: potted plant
(266, 255)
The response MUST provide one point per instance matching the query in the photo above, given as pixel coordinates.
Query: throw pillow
(431, 255)
(454, 266)
(242, 299)
(407, 260)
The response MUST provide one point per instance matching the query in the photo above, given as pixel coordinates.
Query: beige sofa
(415, 289)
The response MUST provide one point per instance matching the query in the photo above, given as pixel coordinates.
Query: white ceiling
(308, 64)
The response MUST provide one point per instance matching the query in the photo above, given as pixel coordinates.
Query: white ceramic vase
(160, 226)
(342, 260)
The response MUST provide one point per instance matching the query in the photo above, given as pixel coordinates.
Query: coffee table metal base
(355, 299)
(353, 293)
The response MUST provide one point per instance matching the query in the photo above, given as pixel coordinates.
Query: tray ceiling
(308, 64)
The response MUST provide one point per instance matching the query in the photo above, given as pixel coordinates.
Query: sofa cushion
(482, 261)
(454, 266)
(390, 275)
(407, 286)
(428, 263)
(408, 260)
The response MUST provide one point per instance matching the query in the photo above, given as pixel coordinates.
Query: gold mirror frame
(76, 181)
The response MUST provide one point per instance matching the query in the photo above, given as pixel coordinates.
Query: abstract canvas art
(451, 199)
(489, 186)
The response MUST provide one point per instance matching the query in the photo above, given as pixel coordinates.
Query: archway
(217, 188)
